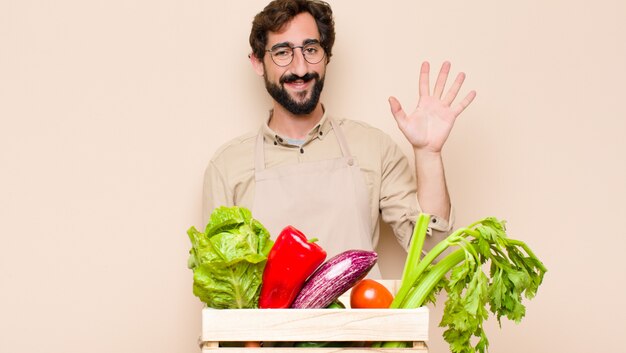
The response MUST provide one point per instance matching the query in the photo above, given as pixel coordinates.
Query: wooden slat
(237, 325)
(280, 325)
(420, 349)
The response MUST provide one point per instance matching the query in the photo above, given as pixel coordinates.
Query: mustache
(306, 78)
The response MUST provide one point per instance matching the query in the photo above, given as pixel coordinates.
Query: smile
(298, 85)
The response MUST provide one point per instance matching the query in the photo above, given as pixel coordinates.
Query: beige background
(109, 111)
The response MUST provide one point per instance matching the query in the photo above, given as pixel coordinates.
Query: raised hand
(427, 128)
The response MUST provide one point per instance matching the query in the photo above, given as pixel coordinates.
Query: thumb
(396, 108)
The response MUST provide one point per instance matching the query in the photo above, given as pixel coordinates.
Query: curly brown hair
(279, 12)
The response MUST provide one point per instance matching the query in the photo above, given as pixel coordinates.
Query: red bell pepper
(290, 262)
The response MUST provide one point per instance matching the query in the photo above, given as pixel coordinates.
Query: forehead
(299, 29)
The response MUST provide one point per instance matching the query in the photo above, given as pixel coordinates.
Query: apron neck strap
(259, 153)
(343, 144)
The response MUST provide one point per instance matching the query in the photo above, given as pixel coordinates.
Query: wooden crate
(302, 325)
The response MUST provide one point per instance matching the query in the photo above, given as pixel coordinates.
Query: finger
(424, 86)
(441, 79)
(396, 109)
(454, 90)
(460, 107)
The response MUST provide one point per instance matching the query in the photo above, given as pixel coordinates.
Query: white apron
(324, 199)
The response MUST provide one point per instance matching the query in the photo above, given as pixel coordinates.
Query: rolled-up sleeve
(438, 229)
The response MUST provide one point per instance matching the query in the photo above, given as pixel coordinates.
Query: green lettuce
(228, 259)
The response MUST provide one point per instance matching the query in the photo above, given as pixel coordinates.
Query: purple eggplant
(334, 277)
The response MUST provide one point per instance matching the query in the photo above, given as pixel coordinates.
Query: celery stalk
(414, 253)
(411, 281)
(515, 272)
(417, 242)
(430, 280)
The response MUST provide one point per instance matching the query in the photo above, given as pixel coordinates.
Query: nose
(298, 63)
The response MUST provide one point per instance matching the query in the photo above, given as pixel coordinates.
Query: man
(331, 178)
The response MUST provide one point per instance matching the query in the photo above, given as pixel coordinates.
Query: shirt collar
(320, 130)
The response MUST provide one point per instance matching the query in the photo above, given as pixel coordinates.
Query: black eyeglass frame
(293, 53)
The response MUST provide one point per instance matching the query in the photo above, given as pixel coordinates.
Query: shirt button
(350, 162)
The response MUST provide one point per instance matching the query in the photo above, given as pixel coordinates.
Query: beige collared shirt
(229, 177)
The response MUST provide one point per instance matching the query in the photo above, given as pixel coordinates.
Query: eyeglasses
(282, 54)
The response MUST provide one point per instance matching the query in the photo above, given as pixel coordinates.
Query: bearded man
(333, 179)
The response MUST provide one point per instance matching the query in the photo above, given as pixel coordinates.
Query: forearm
(432, 191)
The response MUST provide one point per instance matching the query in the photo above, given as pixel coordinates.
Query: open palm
(429, 125)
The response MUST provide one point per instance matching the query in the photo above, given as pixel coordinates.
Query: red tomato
(367, 294)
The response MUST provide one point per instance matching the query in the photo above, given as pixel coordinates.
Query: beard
(302, 106)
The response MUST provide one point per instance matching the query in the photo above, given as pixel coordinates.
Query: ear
(257, 64)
